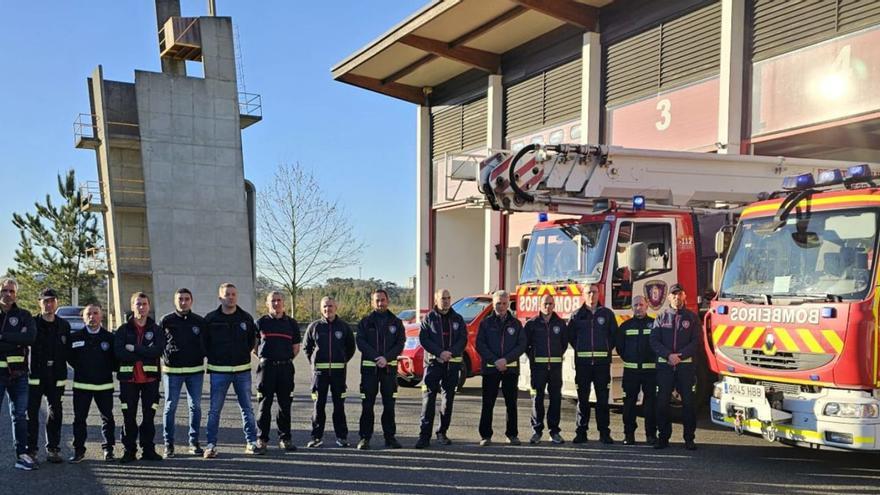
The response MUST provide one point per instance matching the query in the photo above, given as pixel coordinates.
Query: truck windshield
(571, 252)
(825, 255)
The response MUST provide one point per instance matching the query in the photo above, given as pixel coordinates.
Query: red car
(411, 364)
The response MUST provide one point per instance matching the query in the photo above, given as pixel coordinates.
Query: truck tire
(463, 373)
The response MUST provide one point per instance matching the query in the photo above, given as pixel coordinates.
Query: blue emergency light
(829, 177)
(795, 182)
(542, 217)
(829, 312)
(858, 173)
(638, 203)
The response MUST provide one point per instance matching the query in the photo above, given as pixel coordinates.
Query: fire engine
(637, 222)
(794, 327)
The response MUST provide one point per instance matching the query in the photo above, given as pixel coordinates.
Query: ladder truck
(637, 221)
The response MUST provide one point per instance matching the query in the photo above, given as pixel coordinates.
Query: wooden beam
(477, 31)
(569, 11)
(481, 59)
(405, 92)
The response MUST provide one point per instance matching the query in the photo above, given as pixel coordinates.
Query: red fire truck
(637, 222)
(794, 327)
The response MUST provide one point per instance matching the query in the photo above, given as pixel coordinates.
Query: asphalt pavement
(723, 463)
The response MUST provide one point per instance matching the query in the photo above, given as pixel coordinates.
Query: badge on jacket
(455, 325)
(64, 339)
(148, 335)
(105, 346)
(556, 330)
(243, 325)
(392, 329)
(338, 334)
(511, 330)
(13, 321)
(685, 324)
(196, 330)
(601, 320)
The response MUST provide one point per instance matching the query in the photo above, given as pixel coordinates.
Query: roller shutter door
(783, 26)
(680, 51)
(548, 98)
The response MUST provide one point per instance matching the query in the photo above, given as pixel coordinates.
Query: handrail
(250, 104)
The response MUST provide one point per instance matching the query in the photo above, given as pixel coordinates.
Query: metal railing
(86, 127)
(96, 261)
(250, 104)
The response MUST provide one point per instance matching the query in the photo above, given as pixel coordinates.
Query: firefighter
(380, 339)
(139, 343)
(229, 341)
(329, 345)
(639, 371)
(278, 342)
(443, 336)
(591, 333)
(183, 364)
(546, 343)
(48, 376)
(17, 332)
(92, 358)
(676, 338)
(500, 341)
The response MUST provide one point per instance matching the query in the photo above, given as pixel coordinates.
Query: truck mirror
(638, 255)
(717, 273)
(520, 262)
(524, 243)
(720, 242)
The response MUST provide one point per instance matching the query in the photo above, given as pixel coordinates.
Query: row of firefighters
(658, 357)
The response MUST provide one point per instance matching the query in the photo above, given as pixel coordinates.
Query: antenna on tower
(239, 61)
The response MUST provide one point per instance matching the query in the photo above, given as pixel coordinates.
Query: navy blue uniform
(329, 345)
(440, 332)
(546, 343)
(676, 332)
(500, 337)
(93, 361)
(48, 376)
(591, 335)
(380, 334)
(276, 338)
(639, 374)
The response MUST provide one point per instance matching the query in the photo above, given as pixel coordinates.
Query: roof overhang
(449, 37)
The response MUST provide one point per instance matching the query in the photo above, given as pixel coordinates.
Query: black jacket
(676, 332)
(591, 335)
(380, 334)
(147, 352)
(276, 337)
(546, 340)
(48, 360)
(92, 358)
(633, 342)
(500, 338)
(439, 332)
(184, 343)
(17, 332)
(329, 344)
(229, 340)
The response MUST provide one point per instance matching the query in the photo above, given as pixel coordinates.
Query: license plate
(745, 391)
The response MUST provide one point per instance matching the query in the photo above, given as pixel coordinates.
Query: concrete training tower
(177, 210)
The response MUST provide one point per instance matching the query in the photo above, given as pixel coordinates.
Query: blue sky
(360, 144)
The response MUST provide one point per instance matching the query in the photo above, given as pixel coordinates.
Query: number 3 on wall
(665, 107)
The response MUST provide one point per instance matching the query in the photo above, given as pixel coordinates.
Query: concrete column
(493, 243)
(591, 82)
(423, 207)
(164, 10)
(730, 97)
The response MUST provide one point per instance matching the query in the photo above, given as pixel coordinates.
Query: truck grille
(789, 361)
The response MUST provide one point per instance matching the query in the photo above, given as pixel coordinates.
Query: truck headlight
(716, 392)
(851, 410)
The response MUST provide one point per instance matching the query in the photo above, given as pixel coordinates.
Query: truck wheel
(403, 382)
(463, 373)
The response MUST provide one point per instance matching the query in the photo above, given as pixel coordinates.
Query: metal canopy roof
(449, 37)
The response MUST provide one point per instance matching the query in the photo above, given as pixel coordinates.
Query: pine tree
(53, 247)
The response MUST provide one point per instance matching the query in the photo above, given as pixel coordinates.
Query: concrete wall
(197, 215)
(458, 251)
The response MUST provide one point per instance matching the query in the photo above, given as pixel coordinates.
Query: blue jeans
(173, 384)
(241, 383)
(17, 390)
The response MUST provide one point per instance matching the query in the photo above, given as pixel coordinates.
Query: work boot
(54, 456)
(108, 455)
(196, 449)
(556, 438)
(485, 442)
(606, 439)
(536, 438)
(661, 444)
(78, 456)
(169, 451)
(363, 444)
(150, 455)
(442, 439)
(422, 443)
(287, 446)
(651, 440)
(127, 457)
(514, 440)
(629, 439)
(392, 443)
(690, 445)
(580, 438)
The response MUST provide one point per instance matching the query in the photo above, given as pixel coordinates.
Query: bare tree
(303, 236)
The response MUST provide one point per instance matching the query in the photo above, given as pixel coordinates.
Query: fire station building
(767, 77)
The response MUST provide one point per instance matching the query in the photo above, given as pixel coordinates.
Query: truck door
(652, 241)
